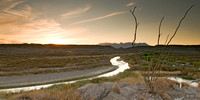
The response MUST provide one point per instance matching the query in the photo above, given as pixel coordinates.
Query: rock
(25, 97)
(136, 92)
(190, 90)
(129, 91)
(141, 86)
(82, 89)
(175, 94)
(92, 91)
(197, 96)
(123, 84)
(107, 85)
(114, 96)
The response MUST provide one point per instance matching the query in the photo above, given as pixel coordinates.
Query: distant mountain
(123, 45)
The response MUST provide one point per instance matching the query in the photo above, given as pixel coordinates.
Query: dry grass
(116, 88)
(165, 96)
(133, 80)
(58, 94)
(184, 84)
(165, 73)
(198, 85)
(161, 85)
(37, 65)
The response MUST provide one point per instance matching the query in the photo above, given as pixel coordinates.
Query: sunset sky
(96, 21)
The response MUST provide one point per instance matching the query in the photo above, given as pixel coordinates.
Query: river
(122, 66)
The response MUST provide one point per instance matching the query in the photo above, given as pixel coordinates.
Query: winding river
(122, 66)
(114, 61)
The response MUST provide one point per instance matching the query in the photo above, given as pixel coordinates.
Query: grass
(116, 88)
(187, 78)
(34, 65)
(186, 64)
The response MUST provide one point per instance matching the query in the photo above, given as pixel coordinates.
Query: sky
(97, 21)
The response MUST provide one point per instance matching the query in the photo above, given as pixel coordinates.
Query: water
(180, 80)
(122, 66)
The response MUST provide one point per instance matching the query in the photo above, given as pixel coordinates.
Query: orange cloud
(130, 4)
(10, 17)
(21, 26)
(101, 17)
(40, 31)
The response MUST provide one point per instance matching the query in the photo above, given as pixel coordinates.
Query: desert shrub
(184, 84)
(197, 64)
(170, 68)
(116, 88)
(161, 85)
(189, 71)
(155, 60)
(187, 77)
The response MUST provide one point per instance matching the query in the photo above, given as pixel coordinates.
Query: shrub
(116, 88)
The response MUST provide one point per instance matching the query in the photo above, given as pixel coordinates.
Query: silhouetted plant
(154, 59)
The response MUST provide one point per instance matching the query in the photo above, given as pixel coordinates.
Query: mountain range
(123, 45)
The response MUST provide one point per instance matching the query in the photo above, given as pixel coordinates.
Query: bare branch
(180, 23)
(159, 34)
(166, 39)
(136, 26)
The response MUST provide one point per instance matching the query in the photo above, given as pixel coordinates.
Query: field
(186, 65)
(21, 59)
(35, 59)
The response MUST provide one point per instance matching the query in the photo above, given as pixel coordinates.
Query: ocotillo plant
(150, 75)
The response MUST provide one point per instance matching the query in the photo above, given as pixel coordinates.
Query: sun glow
(56, 41)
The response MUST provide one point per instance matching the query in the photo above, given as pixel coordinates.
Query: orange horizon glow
(87, 22)
(56, 41)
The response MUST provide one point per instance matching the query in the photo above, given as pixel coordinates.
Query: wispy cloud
(40, 31)
(6, 5)
(130, 4)
(99, 18)
(76, 12)
(9, 17)
(23, 12)
(20, 25)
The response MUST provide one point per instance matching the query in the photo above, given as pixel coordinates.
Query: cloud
(6, 5)
(10, 17)
(130, 4)
(76, 12)
(25, 11)
(99, 18)
(39, 31)
(20, 25)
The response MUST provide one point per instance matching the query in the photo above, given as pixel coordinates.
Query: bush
(170, 68)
